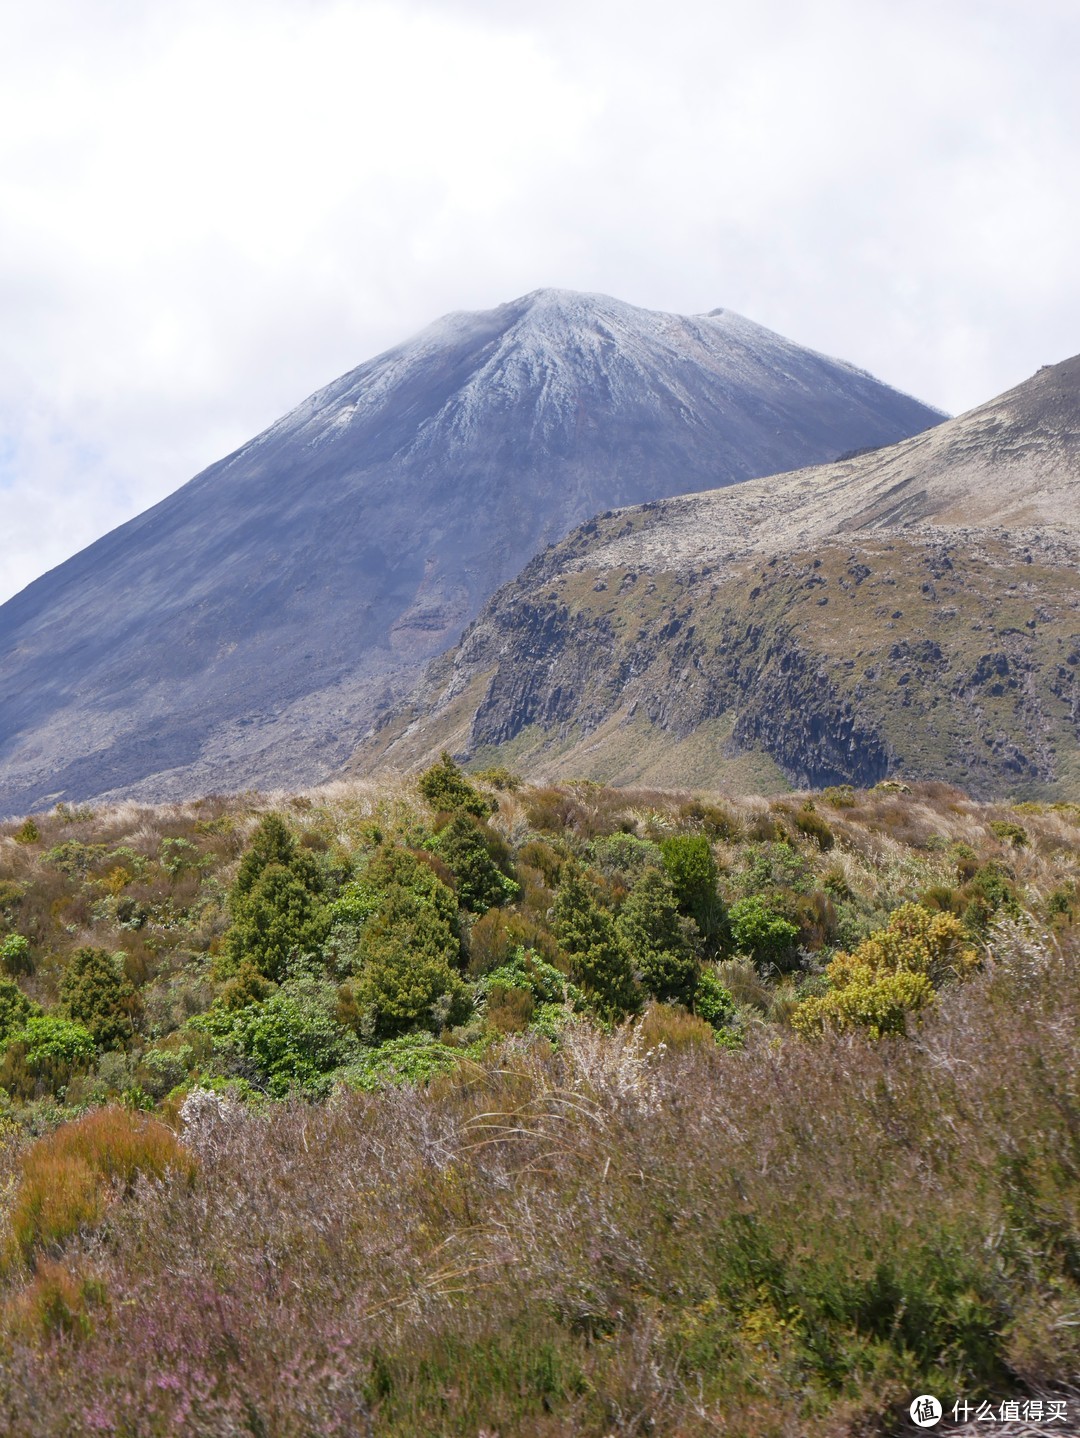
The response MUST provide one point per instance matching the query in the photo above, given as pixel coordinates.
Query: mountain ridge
(246, 628)
(910, 609)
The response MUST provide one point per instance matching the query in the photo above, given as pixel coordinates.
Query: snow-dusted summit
(247, 629)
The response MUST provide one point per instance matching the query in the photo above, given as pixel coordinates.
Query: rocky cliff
(915, 611)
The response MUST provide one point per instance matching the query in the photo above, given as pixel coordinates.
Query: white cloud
(208, 210)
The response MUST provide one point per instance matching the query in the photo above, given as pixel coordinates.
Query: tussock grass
(619, 1237)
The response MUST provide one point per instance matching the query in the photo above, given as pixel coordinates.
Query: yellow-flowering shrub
(891, 974)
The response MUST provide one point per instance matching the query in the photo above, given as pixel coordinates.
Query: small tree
(96, 993)
(407, 951)
(481, 884)
(658, 939)
(15, 1008)
(691, 867)
(276, 919)
(760, 932)
(446, 789)
(599, 963)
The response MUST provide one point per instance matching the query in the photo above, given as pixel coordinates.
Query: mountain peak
(246, 629)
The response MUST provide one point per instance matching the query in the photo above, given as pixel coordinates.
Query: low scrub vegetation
(469, 1107)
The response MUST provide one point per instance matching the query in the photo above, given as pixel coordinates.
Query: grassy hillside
(540, 1110)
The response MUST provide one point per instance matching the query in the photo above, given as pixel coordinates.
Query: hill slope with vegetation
(912, 611)
(468, 1105)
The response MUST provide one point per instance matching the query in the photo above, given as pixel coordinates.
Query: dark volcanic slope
(244, 630)
(916, 610)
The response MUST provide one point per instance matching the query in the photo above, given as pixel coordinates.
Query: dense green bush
(481, 884)
(15, 955)
(275, 920)
(759, 931)
(96, 992)
(446, 789)
(691, 867)
(407, 976)
(293, 1039)
(599, 962)
(659, 940)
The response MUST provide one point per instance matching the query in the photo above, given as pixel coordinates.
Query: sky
(208, 210)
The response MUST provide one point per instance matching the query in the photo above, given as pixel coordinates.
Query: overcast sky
(207, 210)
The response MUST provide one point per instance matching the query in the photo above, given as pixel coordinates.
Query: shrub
(717, 822)
(658, 939)
(624, 856)
(273, 846)
(499, 777)
(691, 867)
(712, 1001)
(494, 938)
(1010, 832)
(51, 1038)
(673, 1027)
(808, 821)
(275, 920)
(446, 789)
(544, 859)
(294, 1039)
(97, 993)
(69, 1178)
(481, 884)
(412, 1059)
(56, 1304)
(406, 955)
(599, 963)
(27, 832)
(15, 1008)
(891, 974)
(759, 931)
(15, 955)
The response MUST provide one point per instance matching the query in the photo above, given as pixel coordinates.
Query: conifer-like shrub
(96, 993)
(691, 866)
(447, 790)
(599, 962)
(659, 940)
(481, 883)
(407, 976)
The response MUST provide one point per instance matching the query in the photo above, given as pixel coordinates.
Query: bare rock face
(915, 610)
(249, 627)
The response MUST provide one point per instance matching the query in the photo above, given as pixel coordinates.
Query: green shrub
(96, 993)
(15, 1008)
(481, 884)
(446, 789)
(599, 963)
(712, 1001)
(275, 920)
(43, 1054)
(15, 955)
(50, 1038)
(1010, 832)
(659, 939)
(759, 931)
(890, 974)
(624, 856)
(294, 1039)
(691, 867)
(27, 832)
(412, 1059)
(406, 979)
